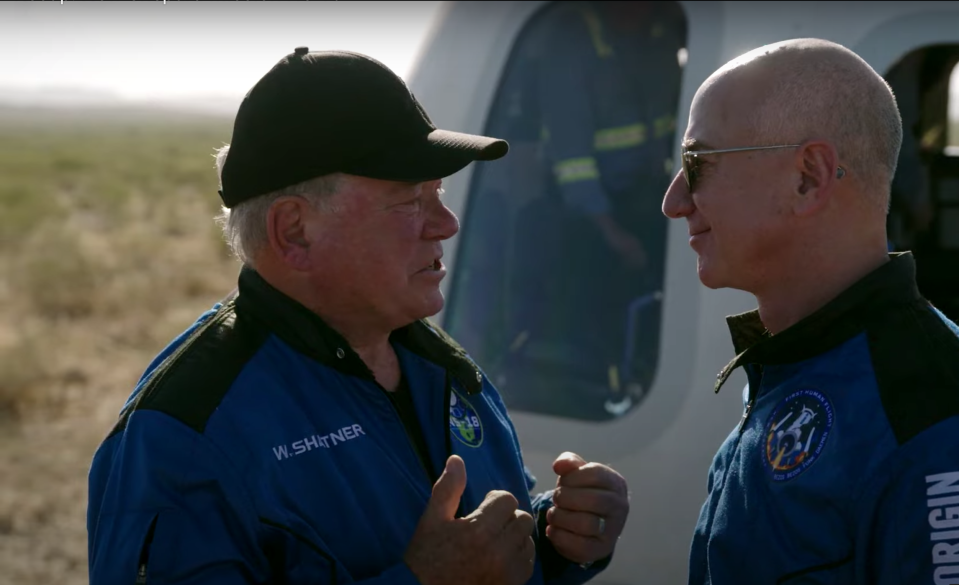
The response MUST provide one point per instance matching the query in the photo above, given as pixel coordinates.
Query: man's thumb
(448, 490)
(567, 462)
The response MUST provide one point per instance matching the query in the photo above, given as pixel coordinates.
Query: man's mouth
(436, 266)
(696, 237)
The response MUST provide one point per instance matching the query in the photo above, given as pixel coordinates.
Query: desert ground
(108, 249)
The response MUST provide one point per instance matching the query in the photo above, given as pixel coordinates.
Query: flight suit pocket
(294, 558)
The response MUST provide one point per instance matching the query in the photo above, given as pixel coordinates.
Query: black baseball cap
(337, 111)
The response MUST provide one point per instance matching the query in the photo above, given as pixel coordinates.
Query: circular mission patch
(796, 433)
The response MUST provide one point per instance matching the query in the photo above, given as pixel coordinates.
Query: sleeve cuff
(597, 566)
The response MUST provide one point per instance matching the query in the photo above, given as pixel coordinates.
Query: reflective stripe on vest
(621, 137)
(573, 170)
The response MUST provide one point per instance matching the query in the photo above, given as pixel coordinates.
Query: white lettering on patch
(944, 526)
(311, 442)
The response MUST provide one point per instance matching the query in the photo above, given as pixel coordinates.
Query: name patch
(311, 442)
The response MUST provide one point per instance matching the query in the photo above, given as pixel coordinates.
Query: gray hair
(834, 95)
(244, 226)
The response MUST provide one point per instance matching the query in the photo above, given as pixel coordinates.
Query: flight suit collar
(307, 333)
(893, 283)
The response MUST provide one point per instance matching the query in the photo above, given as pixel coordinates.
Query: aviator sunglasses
(691, 166)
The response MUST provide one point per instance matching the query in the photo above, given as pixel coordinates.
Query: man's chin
(431, 305)
(708, 276)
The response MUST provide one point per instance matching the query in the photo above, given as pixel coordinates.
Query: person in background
(603, 86)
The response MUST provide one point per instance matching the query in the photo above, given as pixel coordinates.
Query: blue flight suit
(258, 448)
(845, 467)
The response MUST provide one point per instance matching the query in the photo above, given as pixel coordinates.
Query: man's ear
(286, 226)
(817, 163)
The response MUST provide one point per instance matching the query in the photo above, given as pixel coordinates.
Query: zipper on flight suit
(448, 395)
(754, 390)
(410, 442)
(145, 553)
(742, 422)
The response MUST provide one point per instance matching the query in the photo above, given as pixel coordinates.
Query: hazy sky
(151, 50)
(156, 50)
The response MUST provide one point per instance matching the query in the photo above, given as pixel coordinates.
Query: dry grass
(107, 250)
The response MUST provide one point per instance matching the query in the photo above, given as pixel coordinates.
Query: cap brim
(441, 154)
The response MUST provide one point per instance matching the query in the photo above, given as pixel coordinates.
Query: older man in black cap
(314, 427)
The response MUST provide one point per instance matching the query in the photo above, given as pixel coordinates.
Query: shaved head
(766, 204)
(804, 89)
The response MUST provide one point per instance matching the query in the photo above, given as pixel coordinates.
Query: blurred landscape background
(107, 251)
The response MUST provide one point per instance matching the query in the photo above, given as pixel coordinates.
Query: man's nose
(678, 202)
(442, 223)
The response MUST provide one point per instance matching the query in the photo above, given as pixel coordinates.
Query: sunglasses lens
(685, 158)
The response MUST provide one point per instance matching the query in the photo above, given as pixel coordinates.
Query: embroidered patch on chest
(465, 424)
(796, 433)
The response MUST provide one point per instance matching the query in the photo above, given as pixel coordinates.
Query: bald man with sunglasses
(844, 467)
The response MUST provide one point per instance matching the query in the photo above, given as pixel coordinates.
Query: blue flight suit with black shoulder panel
(845, 467)
(258, 448)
